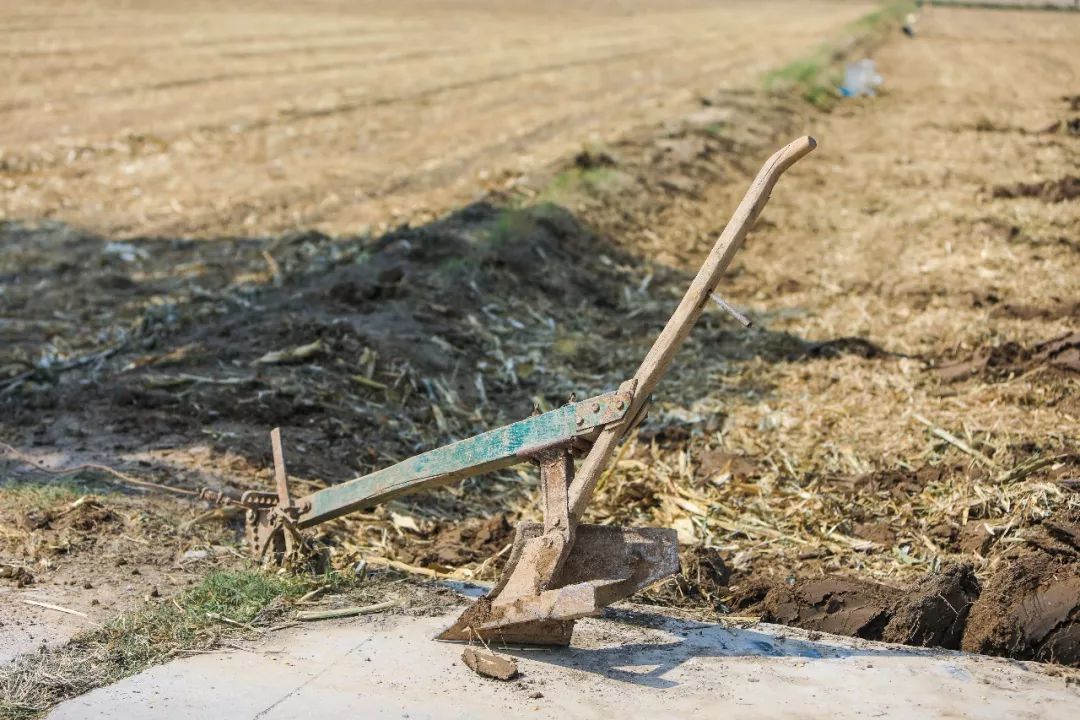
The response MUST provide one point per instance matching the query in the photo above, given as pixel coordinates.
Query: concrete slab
(633, 664)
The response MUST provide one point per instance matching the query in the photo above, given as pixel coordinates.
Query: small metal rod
(280, 478)
(739, 317)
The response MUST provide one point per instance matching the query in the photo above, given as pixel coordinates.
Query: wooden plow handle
(658, 360)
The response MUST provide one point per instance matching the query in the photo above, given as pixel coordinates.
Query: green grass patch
(196, 620)
(508, 224)
(41, 495)
(1003, 5)
(32, 496)
(816, 76)
(514, 222)
(575, 182)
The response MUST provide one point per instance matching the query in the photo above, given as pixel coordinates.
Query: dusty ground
(907, 403)
(147, 119)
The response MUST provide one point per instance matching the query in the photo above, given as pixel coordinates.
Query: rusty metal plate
(602, 410)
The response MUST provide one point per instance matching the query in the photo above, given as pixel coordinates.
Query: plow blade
(605, 564)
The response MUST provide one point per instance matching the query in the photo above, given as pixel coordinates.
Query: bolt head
(620, 404)
(596, 407)
(580, 421)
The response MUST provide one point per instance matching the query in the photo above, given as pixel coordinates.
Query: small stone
(536, 695)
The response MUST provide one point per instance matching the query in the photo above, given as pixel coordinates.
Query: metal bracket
(604, 410)
(537, 561)
(556, 472)
(256, 499)
(271, 518)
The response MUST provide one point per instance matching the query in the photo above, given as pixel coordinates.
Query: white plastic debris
(126, 251)
(861, 79)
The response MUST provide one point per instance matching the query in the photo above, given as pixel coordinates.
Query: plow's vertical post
(281, 479)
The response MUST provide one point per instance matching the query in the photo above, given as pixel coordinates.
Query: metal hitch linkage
(559, 570)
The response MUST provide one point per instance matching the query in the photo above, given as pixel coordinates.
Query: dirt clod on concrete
(16, 574)
(488, 664)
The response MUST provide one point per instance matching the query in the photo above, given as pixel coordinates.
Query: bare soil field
(151, 119)
(891, 452)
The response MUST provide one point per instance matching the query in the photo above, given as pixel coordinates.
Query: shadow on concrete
(674, 641)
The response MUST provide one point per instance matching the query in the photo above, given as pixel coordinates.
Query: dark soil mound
(1051, 191)
(833, 605)
(934, 610)
(1062, 354)
(1031, 611)
(467, 541)
(347, 343)
(1030, 607)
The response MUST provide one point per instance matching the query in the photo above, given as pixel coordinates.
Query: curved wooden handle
(658, 360)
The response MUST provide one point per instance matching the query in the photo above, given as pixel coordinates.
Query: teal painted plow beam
(492, 450)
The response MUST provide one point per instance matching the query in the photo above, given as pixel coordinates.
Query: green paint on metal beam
(486, 452)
